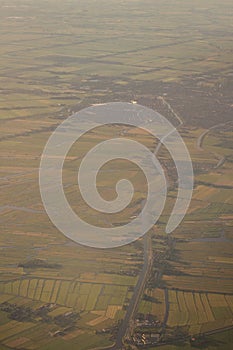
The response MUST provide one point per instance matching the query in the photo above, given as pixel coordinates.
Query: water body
(27, 210)
(221, 239)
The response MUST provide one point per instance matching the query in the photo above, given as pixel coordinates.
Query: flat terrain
(58, 57)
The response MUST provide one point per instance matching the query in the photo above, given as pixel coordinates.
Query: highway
(127, 324)
(124, 329)
(200, 140)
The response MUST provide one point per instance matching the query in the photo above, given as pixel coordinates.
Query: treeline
(39, 263)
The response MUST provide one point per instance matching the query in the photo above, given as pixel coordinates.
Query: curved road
(200, 140)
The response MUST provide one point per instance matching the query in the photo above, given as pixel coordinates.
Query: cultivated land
(58, 57)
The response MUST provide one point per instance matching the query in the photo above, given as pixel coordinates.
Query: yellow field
(199, 311)
(112, 310)
(97, 321)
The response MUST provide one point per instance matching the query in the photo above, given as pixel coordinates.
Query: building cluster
(146, 339)
(147, 331)
(147, 321)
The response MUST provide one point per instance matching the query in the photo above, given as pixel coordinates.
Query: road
(124, 329)
(203, 135)
(167, 308)
(171, 109)
(127, 324)
(200, 140)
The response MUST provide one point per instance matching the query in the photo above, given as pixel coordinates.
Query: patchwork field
(58, 57)
(98, 306)
(209, 311)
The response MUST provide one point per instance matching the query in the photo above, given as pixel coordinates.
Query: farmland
(58, 57)
(98, 305)
(200, 312)
(194, 292)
